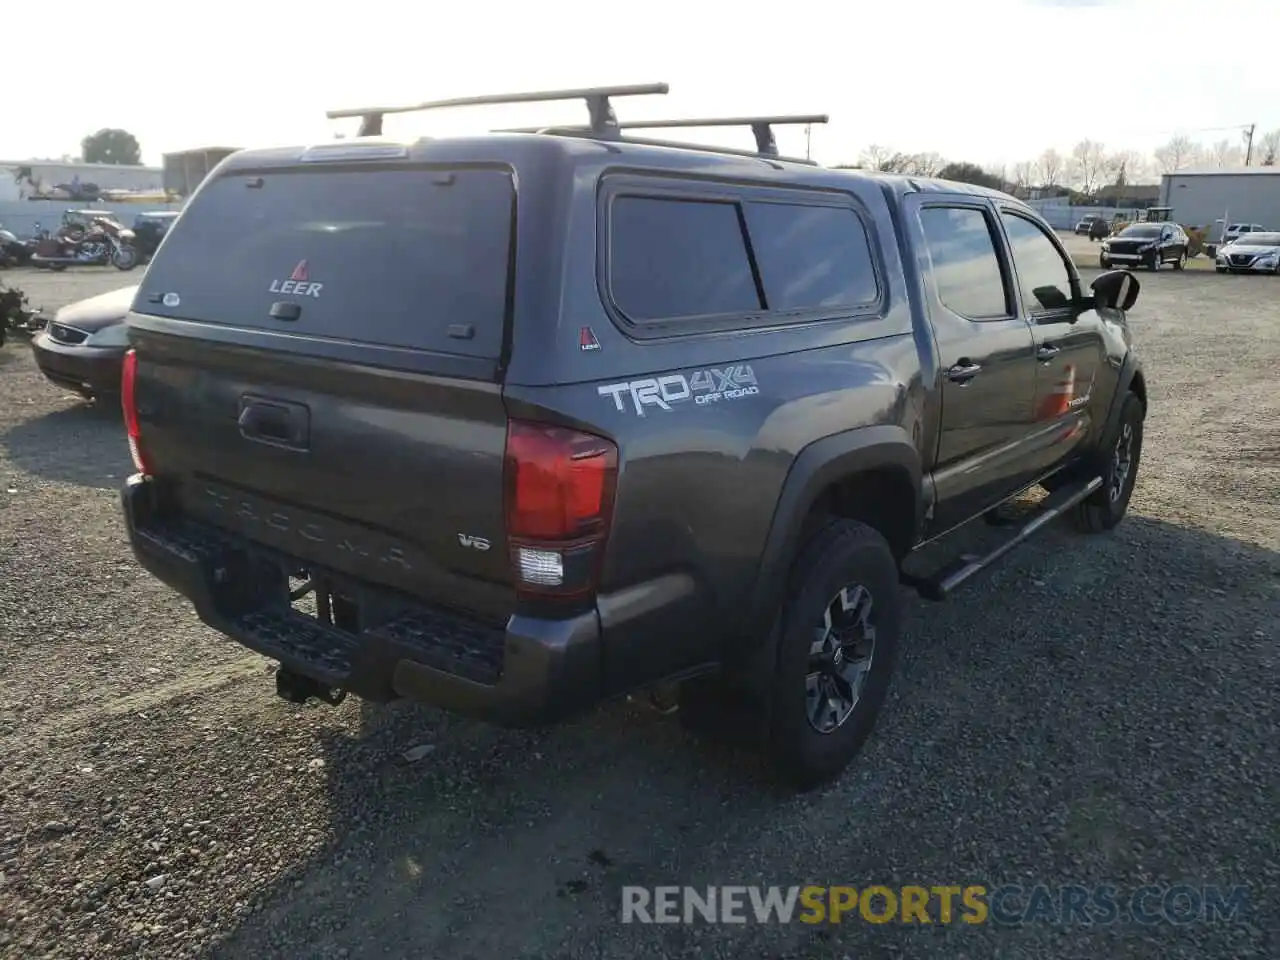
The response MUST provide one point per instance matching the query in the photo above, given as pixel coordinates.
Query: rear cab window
(686, 262)
(401, 257)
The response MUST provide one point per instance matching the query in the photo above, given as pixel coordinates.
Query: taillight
(128, 385)
(559, 503)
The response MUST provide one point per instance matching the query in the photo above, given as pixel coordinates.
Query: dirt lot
(1095, 711)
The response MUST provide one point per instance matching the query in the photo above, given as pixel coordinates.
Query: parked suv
(1151, 245)
(1085, 226)
(514, 423)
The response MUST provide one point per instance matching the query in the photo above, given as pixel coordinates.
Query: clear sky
(991, 81)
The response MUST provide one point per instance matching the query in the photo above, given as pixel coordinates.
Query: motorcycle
(16, 316)
(13, 252)
(107, 242)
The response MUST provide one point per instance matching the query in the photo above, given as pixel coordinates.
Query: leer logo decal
(702, 387)
(299, 283)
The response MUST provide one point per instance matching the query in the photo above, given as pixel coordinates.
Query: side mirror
(1115, 290)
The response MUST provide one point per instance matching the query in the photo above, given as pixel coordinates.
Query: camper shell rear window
(396, 256)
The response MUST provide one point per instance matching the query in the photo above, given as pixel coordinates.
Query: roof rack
(761, 128)
(603, 121)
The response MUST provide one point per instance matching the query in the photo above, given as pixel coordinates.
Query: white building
(1203, 198)
(28, 179)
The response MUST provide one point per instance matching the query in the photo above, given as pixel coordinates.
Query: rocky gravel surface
(1095, 711)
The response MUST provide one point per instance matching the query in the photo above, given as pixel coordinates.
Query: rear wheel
(1106, 507)
(1181, 262)
(837, 645)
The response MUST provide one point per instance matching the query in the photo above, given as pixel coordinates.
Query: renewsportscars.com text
(1004, 905)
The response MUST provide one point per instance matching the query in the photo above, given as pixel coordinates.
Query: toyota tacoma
(517, 422)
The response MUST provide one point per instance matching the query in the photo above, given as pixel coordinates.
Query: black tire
(126, 258)
(1104, 263)
(843, 560)
(1106, 507)
(1181, 262)
(1155, 263)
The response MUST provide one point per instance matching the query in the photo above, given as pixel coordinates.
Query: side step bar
(940, 585)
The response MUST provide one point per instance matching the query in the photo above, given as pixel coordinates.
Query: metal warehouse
(1202, 198)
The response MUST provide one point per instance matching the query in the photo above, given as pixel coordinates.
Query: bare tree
(1224, 153)
(1269, 148)
(1088, 158)
(924, 164)
(1125, 167)
(1023, 174)
(876, 157)
(885, 160)
(1050, 168)
(1178, 154)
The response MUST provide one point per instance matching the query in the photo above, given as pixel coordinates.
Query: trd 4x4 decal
(701, 386)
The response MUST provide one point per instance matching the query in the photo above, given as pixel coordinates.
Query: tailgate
(319, 355)
(392, 478)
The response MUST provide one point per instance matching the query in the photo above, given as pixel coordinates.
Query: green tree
(111, 145)
(971, 173)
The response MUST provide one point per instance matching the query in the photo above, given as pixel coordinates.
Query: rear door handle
(964, 371)
(1047, 351)
(279, 423)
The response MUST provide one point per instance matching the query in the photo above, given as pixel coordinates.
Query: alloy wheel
(1121, 463)
(840, 658)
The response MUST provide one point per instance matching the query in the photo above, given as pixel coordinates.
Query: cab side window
(966, 267)
(1043, 276)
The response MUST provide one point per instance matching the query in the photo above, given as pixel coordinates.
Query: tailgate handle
(276, 422)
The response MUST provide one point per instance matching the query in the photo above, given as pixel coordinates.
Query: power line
(1192, 130)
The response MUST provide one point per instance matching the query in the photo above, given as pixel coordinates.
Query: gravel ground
(1094, 711)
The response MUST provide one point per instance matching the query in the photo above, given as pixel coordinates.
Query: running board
(940, 585)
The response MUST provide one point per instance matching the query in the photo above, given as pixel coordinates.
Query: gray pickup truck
(514, 423)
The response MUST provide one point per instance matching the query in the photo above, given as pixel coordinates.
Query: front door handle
(1047, 351)
(964, 371)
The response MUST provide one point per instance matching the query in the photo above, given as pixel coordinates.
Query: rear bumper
(87, 370)
(534, 671)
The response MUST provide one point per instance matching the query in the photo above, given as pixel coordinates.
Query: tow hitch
(299, 689)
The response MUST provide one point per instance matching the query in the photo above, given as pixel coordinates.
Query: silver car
(1251, 253)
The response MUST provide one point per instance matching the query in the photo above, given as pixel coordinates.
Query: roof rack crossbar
(761, 127)
(727, 151)
(584, 133)
(603, 121)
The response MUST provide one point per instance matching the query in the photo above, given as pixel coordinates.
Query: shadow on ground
(1073, 718)
(82, 444)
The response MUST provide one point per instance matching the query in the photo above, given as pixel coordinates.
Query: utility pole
(1248, 151)
(808, 129)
